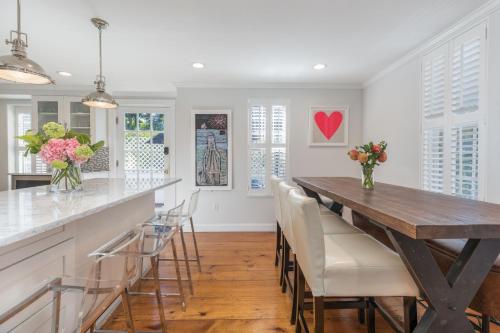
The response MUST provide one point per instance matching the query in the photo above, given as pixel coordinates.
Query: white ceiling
(151, 44)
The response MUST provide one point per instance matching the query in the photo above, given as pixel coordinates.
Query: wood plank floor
(236, 292)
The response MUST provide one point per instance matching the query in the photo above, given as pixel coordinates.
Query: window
(453, 84)
(267, 143)
(22, 118)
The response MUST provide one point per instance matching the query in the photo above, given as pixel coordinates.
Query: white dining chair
(341, 265)
(277, 214)
(332, 224)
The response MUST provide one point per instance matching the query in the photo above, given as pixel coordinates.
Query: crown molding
(474, 18)
(277, 85)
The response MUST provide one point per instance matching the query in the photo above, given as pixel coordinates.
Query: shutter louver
(434, 71)
(465, 161)
(278, 124)
(258, 124)
(23, 125)
(465, 76)
(433, 159)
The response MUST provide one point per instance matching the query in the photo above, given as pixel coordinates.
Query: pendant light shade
(100, 99)
(17, 67)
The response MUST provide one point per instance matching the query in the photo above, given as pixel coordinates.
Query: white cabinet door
(21, 279)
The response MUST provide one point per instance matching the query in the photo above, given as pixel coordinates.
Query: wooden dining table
(410, 217)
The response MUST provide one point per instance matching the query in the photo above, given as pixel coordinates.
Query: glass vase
(367, 181)
(66, 180)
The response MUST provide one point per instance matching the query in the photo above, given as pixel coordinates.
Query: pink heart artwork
(328, 125)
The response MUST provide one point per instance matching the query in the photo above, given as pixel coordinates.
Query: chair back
(111, 268)
(286, 216)
(193, 203)
(309, 239)
(274, 188)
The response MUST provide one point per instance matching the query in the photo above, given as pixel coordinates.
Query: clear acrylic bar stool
(108, 275)
(185, 217)
(157, 234)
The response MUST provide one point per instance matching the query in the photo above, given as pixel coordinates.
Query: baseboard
(236, 227)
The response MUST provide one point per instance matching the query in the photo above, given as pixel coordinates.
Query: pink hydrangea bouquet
(64, 150)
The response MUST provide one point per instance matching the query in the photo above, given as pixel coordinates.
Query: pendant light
(18, 67)
(100, 99)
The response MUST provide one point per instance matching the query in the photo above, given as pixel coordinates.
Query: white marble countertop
(27, 212)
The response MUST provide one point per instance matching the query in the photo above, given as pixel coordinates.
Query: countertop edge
(23, 235)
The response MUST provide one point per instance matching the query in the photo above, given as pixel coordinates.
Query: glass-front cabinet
(70, 112)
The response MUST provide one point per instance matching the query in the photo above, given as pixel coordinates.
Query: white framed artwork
(328, 126)
(212, 146)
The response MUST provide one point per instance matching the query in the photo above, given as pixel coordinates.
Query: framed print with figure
(212, 149)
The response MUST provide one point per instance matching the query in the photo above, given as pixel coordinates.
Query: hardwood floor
(237, 292)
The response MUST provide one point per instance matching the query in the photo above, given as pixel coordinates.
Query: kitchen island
(45, 234)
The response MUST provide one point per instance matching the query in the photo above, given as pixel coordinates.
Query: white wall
(391, 110)
(238, 211)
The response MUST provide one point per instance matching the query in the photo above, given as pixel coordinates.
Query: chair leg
(282, 261)
(127, 310)
(410, 314)
(186, 261)
(179, 278)
(278, 244)
(362, 316)
(56, 307)
(485, 324)
(286, 263)
(195, 244)
(319, 314)
(301, 285)
(293, 315)
(154, 267)
(371, 316)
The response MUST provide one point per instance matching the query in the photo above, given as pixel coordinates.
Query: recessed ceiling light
(198, 65)
(62, 73)
(319, 66)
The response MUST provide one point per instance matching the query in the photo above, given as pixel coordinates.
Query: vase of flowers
(65, 151)
(369, 156)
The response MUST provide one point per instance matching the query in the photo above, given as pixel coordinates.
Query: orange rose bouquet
(369, 156)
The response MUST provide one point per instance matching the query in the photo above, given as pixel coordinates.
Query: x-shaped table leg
(448, 296)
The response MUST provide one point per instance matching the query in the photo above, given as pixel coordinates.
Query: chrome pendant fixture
(100, 99)
(18, 67)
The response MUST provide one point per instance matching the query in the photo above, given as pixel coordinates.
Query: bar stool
(185, 216)
(342, 265)
(107, 277)
(331, 223)
(158, 232)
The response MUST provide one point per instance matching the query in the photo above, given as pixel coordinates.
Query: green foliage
(35, 141)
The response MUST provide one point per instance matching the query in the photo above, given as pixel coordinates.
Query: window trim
(268, 145)
(450, 119)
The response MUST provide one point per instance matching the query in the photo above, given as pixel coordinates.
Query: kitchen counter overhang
(28, 212)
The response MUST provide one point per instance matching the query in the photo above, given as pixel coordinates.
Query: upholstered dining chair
(341, 265)
(331, 223)
(277, 213)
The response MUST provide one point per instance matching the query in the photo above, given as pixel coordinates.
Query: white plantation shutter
(465, 161)
(433, 159)
(258, 124)
(267, 144)
(452, 116)
(23, 124)
(433, 77)
(465, 76)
